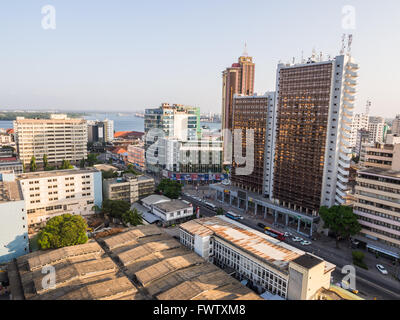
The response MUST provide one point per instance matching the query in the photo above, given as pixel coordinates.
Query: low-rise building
(14, 240)
(377, 205)
(149, 201)
(136, 156)
(51, 193)
(128, 188)
(11, 164)
(267, 263)
(173, 211)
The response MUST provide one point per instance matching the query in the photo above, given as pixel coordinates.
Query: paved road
(371, 283)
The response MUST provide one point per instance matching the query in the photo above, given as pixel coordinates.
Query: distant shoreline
(11, 116)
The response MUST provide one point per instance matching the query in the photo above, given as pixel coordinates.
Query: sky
(127, 55)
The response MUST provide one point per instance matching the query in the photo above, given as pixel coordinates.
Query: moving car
(297, 239)
(381, 269)
(261, 225)
(305, 243)
(288, 234)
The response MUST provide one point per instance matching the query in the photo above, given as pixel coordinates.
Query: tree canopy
(92, 159)
(341, 220)
(169, 188)
(109, 174)
(65, 165)
(63, 231)
(33, 164)
(115, 208)
(132, 217)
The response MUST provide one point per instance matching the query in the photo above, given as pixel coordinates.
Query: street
(370, 283)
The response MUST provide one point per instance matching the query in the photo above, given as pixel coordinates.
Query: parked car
(305, 243)
(381, 269)
(288, 234)
(297, 239)
(261, 225)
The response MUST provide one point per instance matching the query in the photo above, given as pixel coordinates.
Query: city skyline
(171, 48)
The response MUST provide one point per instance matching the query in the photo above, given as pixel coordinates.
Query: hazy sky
(131, 55)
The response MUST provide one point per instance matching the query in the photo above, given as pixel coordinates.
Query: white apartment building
(173, 211)
(52, 193)
(59, 137)
(376, 128)
(108, 130)
(360, 122)
(268, 264)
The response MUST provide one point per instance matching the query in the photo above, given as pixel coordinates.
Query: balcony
(354, 66)
(349, 97)
(343, 164)
(339, 200)
(343, 179)
(351, 74)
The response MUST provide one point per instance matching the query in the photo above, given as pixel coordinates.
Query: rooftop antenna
(343, 44)
(302, 56)
(320, 57)
(313, 54)
(245, 53)
(349, 43)
(294, 60)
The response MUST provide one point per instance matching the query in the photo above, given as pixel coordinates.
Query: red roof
(8, 159)
(10, 131)
(119, 150)
(126, 134)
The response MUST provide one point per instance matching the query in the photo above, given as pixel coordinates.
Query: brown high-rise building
(238, 79)
(254, 113)
(314, 104)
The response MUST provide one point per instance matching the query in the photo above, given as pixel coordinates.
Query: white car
(381, 269)
(288, 234)
(305, 243)
(297, 239)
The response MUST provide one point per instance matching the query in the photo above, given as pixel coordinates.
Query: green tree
(109, 174)
(82, 163)
(115, 208)
(341, 220)
(63, 231)
(132, 217)
(23, 167)
(92, 159)
(45, 161)
(220, 212)
(33, 165)
(169, 188)
(66, 165)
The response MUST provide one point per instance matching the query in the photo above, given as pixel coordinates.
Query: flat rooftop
(10, 191)
(55, 173)
(308, 261)
(105, 167)
(260, 245)
(172, 205)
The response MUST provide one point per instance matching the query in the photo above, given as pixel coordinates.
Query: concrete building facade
(378, 207)
(59, 137)
(269, 265)
(52, 193)
(14, 240)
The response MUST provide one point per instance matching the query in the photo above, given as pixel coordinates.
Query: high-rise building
(59, 137)
(100, 131)
(377, 207)
(108, 130)
(237, 79)
(396, 125)
(254, 113)
(376, 128)
(314, 104)
(177, 122)
(360, 122)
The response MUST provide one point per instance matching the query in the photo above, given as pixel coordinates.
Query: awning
(387, 252)
(150, 218)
